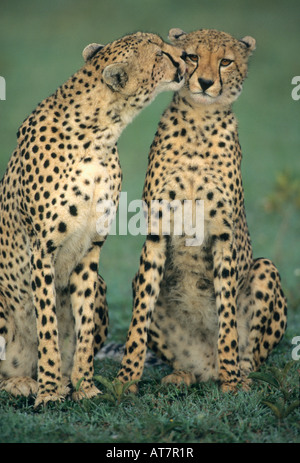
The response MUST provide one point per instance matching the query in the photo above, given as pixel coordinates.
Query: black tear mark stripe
(171, 59)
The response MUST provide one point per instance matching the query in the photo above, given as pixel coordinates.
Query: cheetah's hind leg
(262, 315)
(157, 342)
(178, 376)
(17, 360)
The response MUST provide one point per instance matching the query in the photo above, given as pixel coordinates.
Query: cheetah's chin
(176, 85)
(203, 98)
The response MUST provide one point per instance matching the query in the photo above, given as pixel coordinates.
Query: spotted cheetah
(53, 311)
(211, 311)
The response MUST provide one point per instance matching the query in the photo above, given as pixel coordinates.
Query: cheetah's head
(139, 65)
(217, 64)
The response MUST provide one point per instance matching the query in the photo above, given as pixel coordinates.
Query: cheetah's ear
(115, 76)
(176, 34)
(90, 50)
(250, 42)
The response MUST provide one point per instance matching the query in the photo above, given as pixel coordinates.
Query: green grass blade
(130, 383)
(78, 384)
(278, 412)
(106, 383)
(292, 407)
(266, 377)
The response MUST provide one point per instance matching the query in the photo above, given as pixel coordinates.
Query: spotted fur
(211, 311)
(53, 311)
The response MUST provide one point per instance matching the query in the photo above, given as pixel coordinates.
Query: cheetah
(208, 308)
(53, 310)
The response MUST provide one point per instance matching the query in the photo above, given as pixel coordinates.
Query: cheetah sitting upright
(53, 311)
(210, 310)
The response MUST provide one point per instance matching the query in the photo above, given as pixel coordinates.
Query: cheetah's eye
(159, 53)
(225, 62)
(193, 58)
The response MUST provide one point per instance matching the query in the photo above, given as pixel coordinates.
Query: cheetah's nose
(205, 84)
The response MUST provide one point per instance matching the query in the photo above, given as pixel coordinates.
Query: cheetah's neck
(90, 114)
(203, 114)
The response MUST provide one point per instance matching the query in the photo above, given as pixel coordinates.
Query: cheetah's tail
(115, 351)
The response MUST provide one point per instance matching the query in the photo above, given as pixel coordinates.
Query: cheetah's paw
(20, 386)
(179, 378)
(46, 397)
(86, 392)
(244, 384)
(229, 387)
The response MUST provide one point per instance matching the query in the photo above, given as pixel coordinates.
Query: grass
(41, 44)
(159, 413)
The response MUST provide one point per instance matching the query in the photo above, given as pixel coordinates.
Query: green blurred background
(40, 47)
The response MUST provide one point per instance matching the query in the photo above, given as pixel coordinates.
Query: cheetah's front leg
(147, 289)
(101, 315)
(49, 360)
(225, 285)
(83, 288)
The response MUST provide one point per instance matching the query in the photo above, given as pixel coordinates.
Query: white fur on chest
(188, 282)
